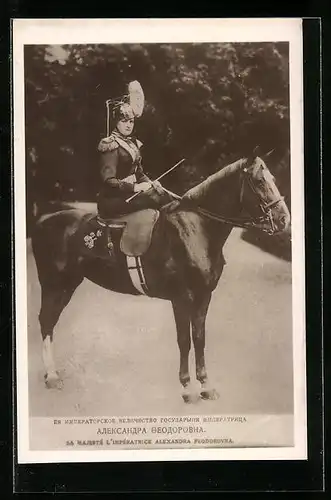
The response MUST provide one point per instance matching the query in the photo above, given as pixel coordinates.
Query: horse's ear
(253, 153)
(269, 153)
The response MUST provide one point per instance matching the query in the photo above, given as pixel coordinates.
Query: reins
(243, 222)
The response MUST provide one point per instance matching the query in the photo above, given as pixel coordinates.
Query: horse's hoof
(53, 382)
(211, 394)
(190, 398)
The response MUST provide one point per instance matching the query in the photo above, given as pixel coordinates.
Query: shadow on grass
(278, 245)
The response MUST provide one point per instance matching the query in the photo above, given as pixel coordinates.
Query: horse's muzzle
(280, 217)
(283, 223)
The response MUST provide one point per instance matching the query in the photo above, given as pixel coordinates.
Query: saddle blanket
(130, 234)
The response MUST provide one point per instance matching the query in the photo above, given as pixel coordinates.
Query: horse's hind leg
(198, 319)
(54, 298)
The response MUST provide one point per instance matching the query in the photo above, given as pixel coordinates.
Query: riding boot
(110, 244)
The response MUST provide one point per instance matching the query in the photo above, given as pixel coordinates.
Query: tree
(209, 103)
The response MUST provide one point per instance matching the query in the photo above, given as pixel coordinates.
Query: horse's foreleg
(181, 308)
(198, 319)
(53, 301)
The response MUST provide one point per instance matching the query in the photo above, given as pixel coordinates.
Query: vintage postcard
(159, 239)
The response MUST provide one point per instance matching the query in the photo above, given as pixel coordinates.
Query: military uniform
(120, 169)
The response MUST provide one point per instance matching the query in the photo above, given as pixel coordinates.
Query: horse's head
(260, 195)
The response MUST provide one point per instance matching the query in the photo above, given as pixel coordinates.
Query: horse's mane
(170, 207)
(200, 189)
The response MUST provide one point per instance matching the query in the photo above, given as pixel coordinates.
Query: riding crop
(158, 178)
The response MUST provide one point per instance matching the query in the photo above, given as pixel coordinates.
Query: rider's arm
(140, 174)
(109, 174)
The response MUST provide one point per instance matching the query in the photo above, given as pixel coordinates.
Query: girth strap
(137, 274)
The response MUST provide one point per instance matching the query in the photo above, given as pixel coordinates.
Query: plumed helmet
(136, 98)
(128, 106)
(122, 111)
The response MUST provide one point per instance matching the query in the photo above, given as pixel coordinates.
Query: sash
(131, 148)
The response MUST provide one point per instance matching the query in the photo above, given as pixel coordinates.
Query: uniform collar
(123, 137)
(128, 144)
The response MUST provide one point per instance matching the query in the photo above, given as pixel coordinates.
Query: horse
(182, 263)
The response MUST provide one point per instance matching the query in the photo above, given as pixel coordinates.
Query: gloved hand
(158, 187)
(157, 184)
(142, 186)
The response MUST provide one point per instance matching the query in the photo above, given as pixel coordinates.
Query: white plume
(136, 98)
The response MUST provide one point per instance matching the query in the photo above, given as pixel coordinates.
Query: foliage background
(209, 103)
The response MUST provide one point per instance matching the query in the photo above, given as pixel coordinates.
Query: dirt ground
(118, 354)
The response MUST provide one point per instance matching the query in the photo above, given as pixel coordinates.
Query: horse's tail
(34, 211)
(40, 208)
(38, 211)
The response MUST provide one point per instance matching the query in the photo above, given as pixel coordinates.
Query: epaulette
(107, 144)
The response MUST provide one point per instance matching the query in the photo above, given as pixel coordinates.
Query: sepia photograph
(159, 240)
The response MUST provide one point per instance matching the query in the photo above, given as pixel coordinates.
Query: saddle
(130, 233)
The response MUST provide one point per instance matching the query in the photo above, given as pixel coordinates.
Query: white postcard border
(67, 31)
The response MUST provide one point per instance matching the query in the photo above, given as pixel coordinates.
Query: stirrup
(109, 223)
(110, 246)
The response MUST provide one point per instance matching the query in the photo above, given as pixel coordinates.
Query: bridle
(248, 222)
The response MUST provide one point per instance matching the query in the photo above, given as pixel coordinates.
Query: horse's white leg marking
(189, 394)
(187, 390)
(48, 358)
(206, 386)
(207, 391)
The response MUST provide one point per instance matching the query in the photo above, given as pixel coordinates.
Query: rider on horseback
(121, 170)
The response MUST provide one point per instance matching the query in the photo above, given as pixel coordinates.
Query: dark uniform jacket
(120, 169)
